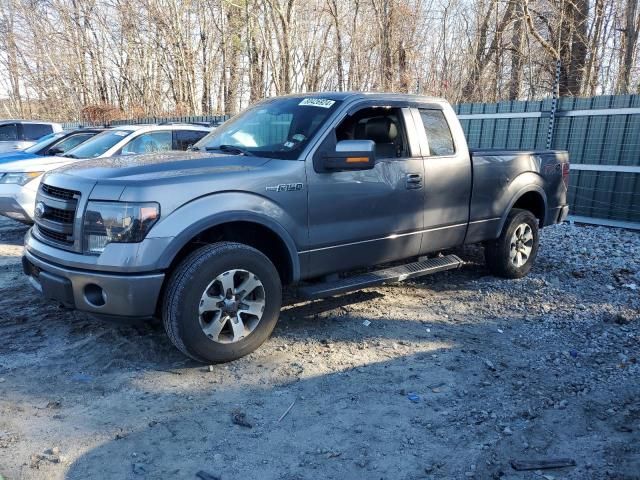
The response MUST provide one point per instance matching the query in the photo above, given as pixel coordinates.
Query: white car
(19, 180)
(20, 134)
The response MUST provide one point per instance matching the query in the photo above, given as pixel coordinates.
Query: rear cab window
(34, 131)
(438, 133)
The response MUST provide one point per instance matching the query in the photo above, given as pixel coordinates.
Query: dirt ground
(456, 376)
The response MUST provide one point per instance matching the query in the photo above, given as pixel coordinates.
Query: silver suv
(20, 134)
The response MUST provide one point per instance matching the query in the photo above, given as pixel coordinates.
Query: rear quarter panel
(500, 178)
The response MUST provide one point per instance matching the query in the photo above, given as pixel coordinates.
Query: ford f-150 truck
(295, 191)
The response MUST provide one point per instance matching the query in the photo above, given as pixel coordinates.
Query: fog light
(95, 295)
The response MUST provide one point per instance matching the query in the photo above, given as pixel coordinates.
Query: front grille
(58, 215)
(55, 214)
(55, 236)
(61, 193)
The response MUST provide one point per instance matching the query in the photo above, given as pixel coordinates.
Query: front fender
(187, 221)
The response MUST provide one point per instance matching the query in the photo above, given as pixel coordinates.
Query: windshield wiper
(231, 149)
(70, 155)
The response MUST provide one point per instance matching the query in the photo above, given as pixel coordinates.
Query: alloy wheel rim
(521, 245)
(231, 306)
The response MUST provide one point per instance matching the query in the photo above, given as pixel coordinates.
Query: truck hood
(37, 164)
(155, 166)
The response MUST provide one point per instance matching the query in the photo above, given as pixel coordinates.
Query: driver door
(366, 217)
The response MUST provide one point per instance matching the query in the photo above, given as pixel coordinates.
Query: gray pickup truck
(295, 191)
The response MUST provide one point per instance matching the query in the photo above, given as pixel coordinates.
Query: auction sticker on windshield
(317, 102)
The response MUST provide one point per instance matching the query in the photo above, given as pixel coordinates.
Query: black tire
(190, 279)
(498, 252)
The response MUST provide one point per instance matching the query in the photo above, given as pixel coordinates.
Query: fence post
(554, 105)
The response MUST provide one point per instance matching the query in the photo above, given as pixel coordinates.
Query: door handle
(414, 180)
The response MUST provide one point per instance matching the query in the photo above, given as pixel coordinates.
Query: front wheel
(513, 253)
(222, 302)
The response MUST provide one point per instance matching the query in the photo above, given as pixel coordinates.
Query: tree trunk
(517, 56)
(629, 45)
(573, 46)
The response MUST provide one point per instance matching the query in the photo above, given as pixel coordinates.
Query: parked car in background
(134, 139)
(19, 180)
(52, 144)
(20, 134)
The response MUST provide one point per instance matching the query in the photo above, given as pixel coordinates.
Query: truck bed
(498, 177)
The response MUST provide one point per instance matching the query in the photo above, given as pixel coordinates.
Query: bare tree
(66, 59)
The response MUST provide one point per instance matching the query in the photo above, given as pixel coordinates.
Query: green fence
(601, 134)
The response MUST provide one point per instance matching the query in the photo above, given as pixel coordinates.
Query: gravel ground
(456, 376)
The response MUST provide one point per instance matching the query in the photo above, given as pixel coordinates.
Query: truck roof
(368, 95)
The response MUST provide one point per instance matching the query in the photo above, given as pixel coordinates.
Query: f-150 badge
(286, 187)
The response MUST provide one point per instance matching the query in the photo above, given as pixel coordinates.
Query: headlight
(117, 222)
(20, 178)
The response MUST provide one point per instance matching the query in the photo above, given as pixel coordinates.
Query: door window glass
(381, 125)
(8, 133)
(34, 131)
(71, 141)
(148, 143)
(187, 138)
(438, 133)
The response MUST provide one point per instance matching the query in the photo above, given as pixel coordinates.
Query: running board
(379, 277)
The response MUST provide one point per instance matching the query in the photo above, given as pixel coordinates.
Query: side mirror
(351, 155)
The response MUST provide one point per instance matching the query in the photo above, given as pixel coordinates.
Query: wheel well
(253, 234)
(533, 202)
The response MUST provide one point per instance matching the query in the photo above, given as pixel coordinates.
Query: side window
(438, 133)
(183, 139)
(71, 141)
(148, 143)
(34, 131)
(8, 132)
(381, 125)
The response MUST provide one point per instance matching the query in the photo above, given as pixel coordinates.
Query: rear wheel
(513, 253)
(222, 302)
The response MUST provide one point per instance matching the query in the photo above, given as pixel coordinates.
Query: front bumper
(17, 202)
(100, 294)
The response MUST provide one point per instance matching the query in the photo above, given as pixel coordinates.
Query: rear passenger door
(447, 180)
(183, 139)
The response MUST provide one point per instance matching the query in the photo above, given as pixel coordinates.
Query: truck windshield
(98, 145)
(274, 128)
